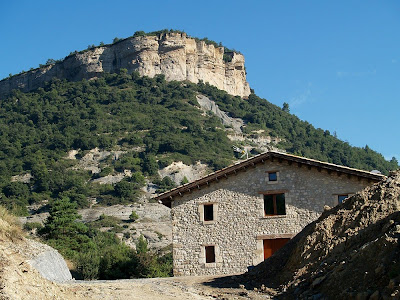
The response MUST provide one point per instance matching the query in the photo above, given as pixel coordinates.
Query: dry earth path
(158, 288)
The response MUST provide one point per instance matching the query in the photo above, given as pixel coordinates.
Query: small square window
(208, 212)
(274, 204)
(210, 254)
(272, 176)
(342, 197)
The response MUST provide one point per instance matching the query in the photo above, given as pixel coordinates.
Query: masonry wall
(240, 225)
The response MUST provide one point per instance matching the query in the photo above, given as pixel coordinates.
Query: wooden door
(273, 245)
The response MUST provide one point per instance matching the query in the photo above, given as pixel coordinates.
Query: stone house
(238, 216)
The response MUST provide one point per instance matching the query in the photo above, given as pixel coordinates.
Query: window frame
(268, 177)
(274, 195)
(201, 209)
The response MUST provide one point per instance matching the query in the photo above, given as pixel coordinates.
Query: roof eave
(166, 198)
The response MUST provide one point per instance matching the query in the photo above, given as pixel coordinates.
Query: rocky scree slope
(351, 252)
(175, 55)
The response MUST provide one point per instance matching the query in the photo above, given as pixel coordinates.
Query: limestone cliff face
(175, 55)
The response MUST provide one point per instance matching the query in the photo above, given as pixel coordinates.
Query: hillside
(130, 114)
(108, 144)
(350, 252)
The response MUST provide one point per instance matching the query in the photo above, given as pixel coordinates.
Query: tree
(285, 107)
(50, 61)
(17, 189)
(125, 189)
(62, 221)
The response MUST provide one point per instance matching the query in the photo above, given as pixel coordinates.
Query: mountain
(104, 138)
(173, 54)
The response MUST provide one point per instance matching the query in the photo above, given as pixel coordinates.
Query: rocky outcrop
(50, 264)
(175, 55)
(209, 105)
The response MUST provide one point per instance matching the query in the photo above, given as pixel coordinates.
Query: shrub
(32, 225)
(133, 216)
(88, 264)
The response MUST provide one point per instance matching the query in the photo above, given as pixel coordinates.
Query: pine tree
(62, 222)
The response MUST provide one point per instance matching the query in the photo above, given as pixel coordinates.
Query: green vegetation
(119, 111)
(184, 180)
(125, 111)
(100, 255)
(133, 216)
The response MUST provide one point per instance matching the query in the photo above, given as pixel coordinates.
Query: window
(274, 204)
(342, 197)
(210, 254)
(272, 176)
(208, 212)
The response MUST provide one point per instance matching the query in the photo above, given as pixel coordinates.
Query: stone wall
(175, 55)
(240, 224)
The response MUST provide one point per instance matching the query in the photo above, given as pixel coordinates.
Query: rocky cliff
(175, 55)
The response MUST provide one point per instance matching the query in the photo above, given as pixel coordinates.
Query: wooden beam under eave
(299, 165)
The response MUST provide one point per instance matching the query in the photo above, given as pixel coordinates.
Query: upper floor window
(208, 212)
(272, 176)
(274, 204)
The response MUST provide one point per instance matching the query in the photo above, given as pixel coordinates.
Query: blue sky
(336, 63)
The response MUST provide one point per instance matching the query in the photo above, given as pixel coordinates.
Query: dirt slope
(351, 252)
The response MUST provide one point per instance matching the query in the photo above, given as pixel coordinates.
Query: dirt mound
(351, 252)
